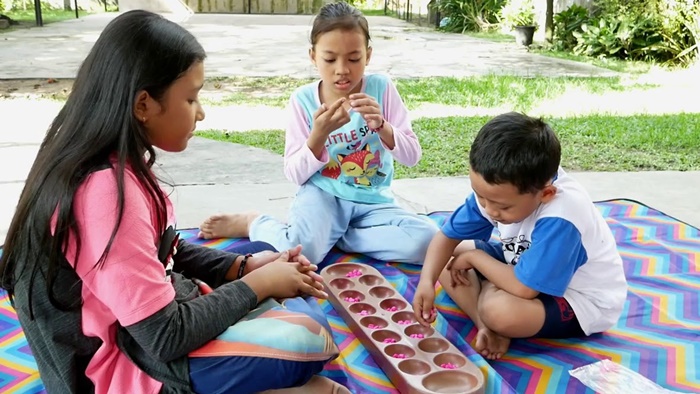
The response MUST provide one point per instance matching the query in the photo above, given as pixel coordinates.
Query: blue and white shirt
(565, 248)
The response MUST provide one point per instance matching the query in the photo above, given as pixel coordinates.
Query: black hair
(137, 51)
(517, 149)
(339, 15)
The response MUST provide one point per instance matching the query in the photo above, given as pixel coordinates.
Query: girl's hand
(284, 279)
(260, 259)
(296, 257)
(369, 108)
(263, 258)
(327, 119)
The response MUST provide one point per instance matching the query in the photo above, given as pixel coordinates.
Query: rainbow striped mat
(658, 335)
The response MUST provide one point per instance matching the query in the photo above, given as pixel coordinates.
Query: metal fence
(420, 12)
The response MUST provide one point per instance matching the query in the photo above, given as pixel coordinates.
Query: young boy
(555, 273)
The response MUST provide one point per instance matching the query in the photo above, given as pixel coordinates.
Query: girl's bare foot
(227, 226)
(491, 345)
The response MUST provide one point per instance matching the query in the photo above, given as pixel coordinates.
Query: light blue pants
(318, 221)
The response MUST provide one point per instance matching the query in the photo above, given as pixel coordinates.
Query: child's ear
(141, 106)
(312, 56)
(369, 55)
(548, 193)
(144, 106)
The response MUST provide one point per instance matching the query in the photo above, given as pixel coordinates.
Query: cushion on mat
(658, 335)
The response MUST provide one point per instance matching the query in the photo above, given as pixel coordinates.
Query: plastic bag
(608, 377)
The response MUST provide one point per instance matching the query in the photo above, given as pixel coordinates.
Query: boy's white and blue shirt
(565, 248)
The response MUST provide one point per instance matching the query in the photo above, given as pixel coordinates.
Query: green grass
(491, 36)
(273, 91)
(623, 66)
(249, 98)
(589, 143)
(489, 91)
(377, 12)
(27, 18)
(494, 91)
(484, 92)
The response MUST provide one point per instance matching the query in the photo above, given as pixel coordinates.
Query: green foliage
(651, 30)
(28, 5)
(518, 13)
(469, 15)
(622, 36)
(566, 23)
(356, 3)
(681, 32)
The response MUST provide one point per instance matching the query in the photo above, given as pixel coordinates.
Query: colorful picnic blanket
(657, 336)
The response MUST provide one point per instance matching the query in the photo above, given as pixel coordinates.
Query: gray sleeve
(206, 264)
(178, 329)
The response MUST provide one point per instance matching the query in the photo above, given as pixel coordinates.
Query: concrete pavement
(220, 177)
(212, 177)
(271, 45)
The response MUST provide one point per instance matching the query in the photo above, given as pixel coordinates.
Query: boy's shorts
(560, 321)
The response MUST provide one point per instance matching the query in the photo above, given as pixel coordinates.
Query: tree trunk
(68, 6)
(549, 22)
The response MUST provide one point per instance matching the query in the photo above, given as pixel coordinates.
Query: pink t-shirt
(129, 287)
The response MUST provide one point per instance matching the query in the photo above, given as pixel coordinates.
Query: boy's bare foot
(227, 226)
(491, 345)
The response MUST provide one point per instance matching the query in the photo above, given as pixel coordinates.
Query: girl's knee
(313, 253)
(311, 195)
(422, 235)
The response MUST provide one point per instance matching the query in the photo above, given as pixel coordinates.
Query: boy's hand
(458, 267)
(458, 277)
(423, 303)
(327, 119)
(369, 108)
(461, 262)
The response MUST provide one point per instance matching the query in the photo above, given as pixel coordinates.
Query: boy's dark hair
(517, 149)
(340, 15)
(137, 51)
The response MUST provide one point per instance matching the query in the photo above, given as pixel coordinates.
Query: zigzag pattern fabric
(658, 335)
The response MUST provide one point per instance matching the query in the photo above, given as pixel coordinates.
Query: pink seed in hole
(354, 273)
(399, 355)
(364, 312)
(420, 336)
(373, 326)
(448, 366)
(350, 299)
(404, 322)
(392, 309)
(389, 340)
